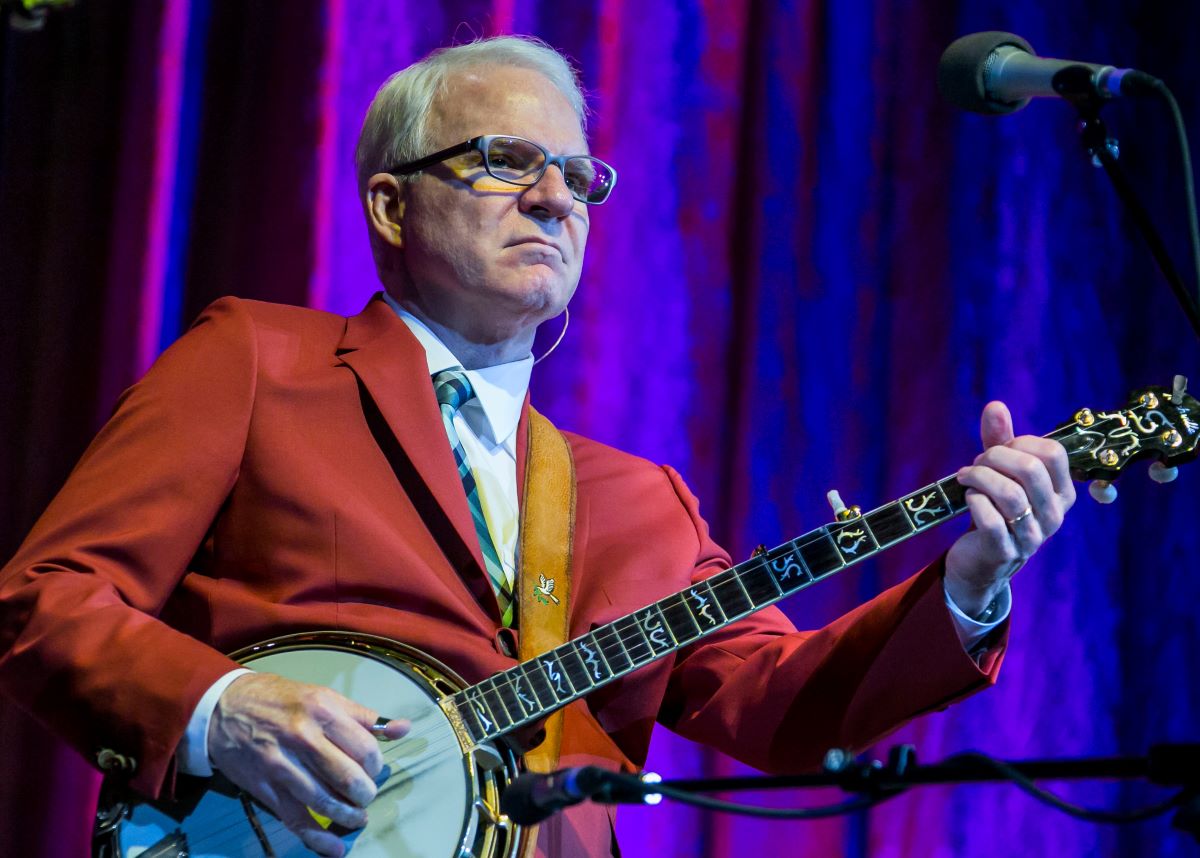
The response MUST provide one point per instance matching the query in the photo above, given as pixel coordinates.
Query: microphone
(532, 797)
(996, 72)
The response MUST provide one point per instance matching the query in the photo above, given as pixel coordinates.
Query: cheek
(441, 238)
(577, 229)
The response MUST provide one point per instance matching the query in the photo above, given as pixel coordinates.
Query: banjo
(439, 791)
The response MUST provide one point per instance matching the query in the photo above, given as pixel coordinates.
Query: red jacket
(282, 469)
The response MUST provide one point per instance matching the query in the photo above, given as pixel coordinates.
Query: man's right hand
(295, 746)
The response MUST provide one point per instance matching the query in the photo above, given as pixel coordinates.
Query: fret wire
(474, 727)
(649, 631)
(487, 719)
(512, 685)
(632, 618)
(888, 513)
(494, 688)
(691, 611)
(870, 533)
(788, 565)
(662, 618)
(555, 678)
(600, 649)
(949, 503)
(766, 567)
(702, 612)
(822, 540)
(847, 528)
(678, 610)
(621, 641)
(501, 713)
(737, 576)
(915, 515)
(590, 656)
(610, 633)
(538, 682)
(728, 577)
(573, 665)
(520, 689)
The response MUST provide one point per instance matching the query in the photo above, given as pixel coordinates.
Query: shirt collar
(499, 390)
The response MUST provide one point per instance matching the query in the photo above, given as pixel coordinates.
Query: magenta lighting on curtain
(820, 271)
(170, 74)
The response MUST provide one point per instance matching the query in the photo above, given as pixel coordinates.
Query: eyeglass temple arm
(436, 157)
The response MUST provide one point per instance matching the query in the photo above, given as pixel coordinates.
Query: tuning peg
(1180, 387)
(1102, 491)
(840, 511)
(1160, 473)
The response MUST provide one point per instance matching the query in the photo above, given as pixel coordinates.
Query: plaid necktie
(453, 390)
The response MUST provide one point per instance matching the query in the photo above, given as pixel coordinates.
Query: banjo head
(435, 800)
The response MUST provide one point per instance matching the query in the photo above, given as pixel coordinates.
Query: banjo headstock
(1158, 423)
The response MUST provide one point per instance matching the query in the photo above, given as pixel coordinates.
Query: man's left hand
(1018, 491)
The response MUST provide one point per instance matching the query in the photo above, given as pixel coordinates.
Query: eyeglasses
(516, 161)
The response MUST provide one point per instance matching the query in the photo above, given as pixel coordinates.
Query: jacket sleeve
(777, 698)
(80, 646)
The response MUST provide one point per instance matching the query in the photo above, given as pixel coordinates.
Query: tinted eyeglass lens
(589, 179)
(514, 160)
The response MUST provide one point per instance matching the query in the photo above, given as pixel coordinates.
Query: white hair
(395, 130)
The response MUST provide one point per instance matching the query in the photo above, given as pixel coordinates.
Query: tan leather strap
(544, 572)
(544, 563)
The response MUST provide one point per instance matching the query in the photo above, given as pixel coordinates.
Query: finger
(294, 814)
(995, 424)
(343, 775)
(393, 729)
(1023, 468)
(301, 823)
(351, 737)
(1011, 542)
(308, 785)
(1054, 457)
(322, 842)
(990, 524)
(1005, 492)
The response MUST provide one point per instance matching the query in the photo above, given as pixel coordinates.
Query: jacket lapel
(390, 365)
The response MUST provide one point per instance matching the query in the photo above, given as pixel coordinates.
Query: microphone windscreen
(961, 75)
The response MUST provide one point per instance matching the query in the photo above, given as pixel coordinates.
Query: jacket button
(507, 642)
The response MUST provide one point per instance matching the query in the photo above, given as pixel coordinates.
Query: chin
(543, 295)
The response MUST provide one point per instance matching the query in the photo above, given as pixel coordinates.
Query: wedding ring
(1011, 521)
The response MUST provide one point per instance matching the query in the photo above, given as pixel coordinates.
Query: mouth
(533, 243)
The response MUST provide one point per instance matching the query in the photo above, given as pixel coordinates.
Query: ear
(385, 208)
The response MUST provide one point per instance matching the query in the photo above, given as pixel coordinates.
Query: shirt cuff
(971, 631)
(192, 753)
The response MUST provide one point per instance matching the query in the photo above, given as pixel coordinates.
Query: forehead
(504, 100)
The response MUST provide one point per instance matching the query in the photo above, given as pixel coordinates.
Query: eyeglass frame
(479, 144)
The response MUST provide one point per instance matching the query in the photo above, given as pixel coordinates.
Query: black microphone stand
(1166, 765)
(1075, 85)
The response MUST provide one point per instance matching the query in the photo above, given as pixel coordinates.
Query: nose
(549, 197)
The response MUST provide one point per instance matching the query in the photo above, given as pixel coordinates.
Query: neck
(475, 349)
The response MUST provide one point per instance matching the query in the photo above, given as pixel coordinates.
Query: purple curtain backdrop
(812, 275)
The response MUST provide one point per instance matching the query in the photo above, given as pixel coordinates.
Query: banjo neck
(535, 688)
(1158, 423)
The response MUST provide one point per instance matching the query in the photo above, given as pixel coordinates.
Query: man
(281, 470)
